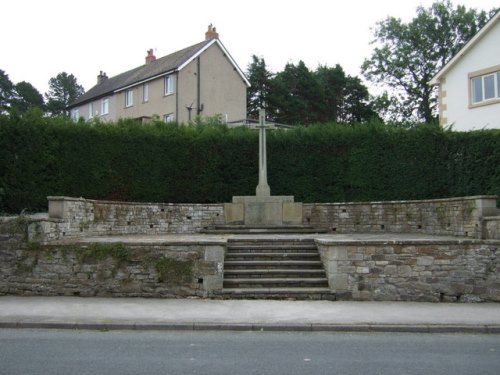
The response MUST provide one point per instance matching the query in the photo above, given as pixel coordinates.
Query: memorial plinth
(263, 209)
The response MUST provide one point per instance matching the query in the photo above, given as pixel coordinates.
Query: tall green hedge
(161, 162)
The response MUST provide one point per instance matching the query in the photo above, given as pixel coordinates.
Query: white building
(469, 84)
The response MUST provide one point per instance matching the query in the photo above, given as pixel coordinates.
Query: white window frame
(104, 106)
(478, 79)
(169, 117)
(91, 110)
(145, 93)
(169, 84)
(75, 114)
(129, 98)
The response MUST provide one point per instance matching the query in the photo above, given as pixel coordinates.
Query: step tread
(274, 270)
(277, 280)
(272, 254)
(271, 262)
(283, 290)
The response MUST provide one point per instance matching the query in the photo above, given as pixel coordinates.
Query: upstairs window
(129, 98)
(75, 114)
(105, 106)
(145, 93)
(169, 85)
(91, 110)
(485, 88)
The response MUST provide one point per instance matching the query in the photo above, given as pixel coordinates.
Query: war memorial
(262, 246)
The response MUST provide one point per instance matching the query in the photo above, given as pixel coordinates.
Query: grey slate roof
(162, 65)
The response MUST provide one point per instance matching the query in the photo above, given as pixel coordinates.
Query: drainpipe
(199, 107)
(176, 89)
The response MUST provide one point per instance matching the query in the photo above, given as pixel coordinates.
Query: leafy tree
(26, 97)
(6, 91)
(63, 90)
(408, 55)
(260, 86)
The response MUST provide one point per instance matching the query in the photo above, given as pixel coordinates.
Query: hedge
(209, 163)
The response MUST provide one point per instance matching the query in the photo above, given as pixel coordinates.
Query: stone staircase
(274, 269)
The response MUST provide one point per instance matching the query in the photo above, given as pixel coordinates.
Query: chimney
(101, 77)
(211, 33)
(150, 57)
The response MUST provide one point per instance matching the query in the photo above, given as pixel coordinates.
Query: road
(29, 352)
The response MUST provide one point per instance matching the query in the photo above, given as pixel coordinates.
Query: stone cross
(263, 189)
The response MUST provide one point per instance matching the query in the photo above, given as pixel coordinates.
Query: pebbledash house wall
(472, 217)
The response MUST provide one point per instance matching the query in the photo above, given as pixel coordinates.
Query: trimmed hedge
(207, 163)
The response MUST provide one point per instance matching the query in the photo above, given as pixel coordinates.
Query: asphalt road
(27, 352)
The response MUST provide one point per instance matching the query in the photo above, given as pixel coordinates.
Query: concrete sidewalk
(201, 314)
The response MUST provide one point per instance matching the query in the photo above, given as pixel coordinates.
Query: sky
(41, 38)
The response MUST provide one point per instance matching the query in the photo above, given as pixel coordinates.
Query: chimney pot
(150, 57)
(211, 33)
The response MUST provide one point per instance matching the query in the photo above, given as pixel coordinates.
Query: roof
(465, 49)
(160, 67)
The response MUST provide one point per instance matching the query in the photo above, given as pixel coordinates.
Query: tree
(63, 90)
(26, 97)
(297, 95)
(410, 54)
(6, 91)
(346, 99)
(260, 86)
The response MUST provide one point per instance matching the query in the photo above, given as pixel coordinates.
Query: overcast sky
(41, 38)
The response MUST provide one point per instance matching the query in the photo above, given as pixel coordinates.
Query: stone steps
(274, 269)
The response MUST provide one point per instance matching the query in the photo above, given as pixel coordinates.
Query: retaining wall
(431, 271)
(110, 269)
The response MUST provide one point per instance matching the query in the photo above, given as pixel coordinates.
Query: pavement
(246, 315)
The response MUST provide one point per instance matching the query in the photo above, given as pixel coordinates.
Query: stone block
(292, 213)
(234, 213)
(425, 261)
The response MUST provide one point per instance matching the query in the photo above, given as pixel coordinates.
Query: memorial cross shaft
(263, 189)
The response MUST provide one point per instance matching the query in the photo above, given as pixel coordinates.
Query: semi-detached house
(202, 79)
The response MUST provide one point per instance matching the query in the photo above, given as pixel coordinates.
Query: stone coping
(437, 200)
(59, 198)
(322, 239)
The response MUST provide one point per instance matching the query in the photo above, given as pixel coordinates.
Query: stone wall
(109, 269)
(454, 216)
(78, 217)
(431, 271)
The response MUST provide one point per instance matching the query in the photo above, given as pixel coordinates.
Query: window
(485, 86)
(145, 93)
(75, 114)
(169, 85)
(129, 98)
(91, 110)
(169, 117)
(105, 106)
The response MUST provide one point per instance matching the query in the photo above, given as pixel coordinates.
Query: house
(469, 84)
(202, 79)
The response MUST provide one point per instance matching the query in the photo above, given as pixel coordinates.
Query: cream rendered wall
(456, 92)
(97, 107)
(187, 87)
(223, 91)
(158, 103)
